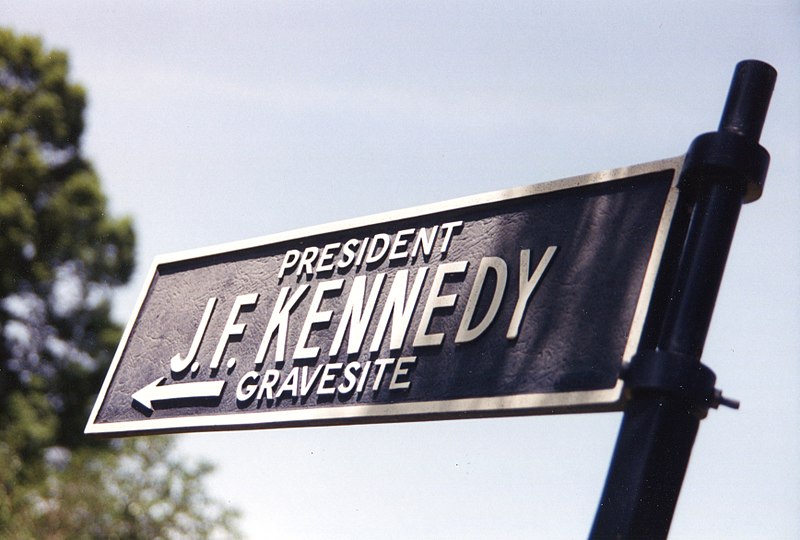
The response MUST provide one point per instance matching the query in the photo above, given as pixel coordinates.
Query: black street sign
(522, 301)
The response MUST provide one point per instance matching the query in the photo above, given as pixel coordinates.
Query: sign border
(515, 405)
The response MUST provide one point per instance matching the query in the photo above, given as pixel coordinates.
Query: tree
(61, 254)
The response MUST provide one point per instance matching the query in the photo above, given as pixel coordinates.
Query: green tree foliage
(61, 253)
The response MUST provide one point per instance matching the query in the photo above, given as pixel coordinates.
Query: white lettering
(328, 377)
(306, 384)
(325, 263)
(271, 378)
(425, 241)
(289, 260)
(435, 301)
(278, 322)
(400, 371)
(306, 262)
(497, 264)
(378, 248)
(398, 309)
(527, 286)
(232, 328)
(350, 378)
(247, 386)
(353, 315)
(178, 364)
(363, 380)
(315, 316)
(447, 232)
(361, 251)
(290, 383)
(381, 363)
(399, 243)
(348, 252)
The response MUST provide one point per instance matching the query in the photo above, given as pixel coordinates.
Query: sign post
(669, 391)
(593, 293)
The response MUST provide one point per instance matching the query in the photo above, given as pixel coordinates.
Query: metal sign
(522, 301)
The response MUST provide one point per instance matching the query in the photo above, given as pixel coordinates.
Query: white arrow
(156, 391)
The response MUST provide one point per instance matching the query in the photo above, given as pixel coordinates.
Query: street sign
(522, 301)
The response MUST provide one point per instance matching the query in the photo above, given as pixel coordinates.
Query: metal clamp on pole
(682, 378)
(732, 152)
(668, 389)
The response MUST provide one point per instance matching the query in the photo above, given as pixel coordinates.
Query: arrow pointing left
(156, 391)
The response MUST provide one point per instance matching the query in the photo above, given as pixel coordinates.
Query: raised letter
(398, 309)
(271, 378)
(435, 301)
(315, 316)
(426, 242)
(360, 255)
(354, 316)
(376, 254)
(348, 253)
(178, 364)
(350, 378)
(289, 260)
(290, 383)
(232, 328)
(279, 321)
(400, 243)
(309, 255)
(399, 371)
(328, 377)
(364, 373)
(306, 383)
(325, 263)
(247, 386)
(527, 286)
(447, 233)
(381, 363)
(499, 266)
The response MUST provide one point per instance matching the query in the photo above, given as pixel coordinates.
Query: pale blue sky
(217, 121)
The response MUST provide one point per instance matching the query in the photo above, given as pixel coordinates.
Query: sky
(213, 122)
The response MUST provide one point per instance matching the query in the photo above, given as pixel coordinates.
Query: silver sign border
(521, 404)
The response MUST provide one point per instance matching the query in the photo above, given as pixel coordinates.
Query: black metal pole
(669, 391)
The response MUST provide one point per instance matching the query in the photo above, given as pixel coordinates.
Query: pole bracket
(732, 154)
(679, 378)
(725, 156)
